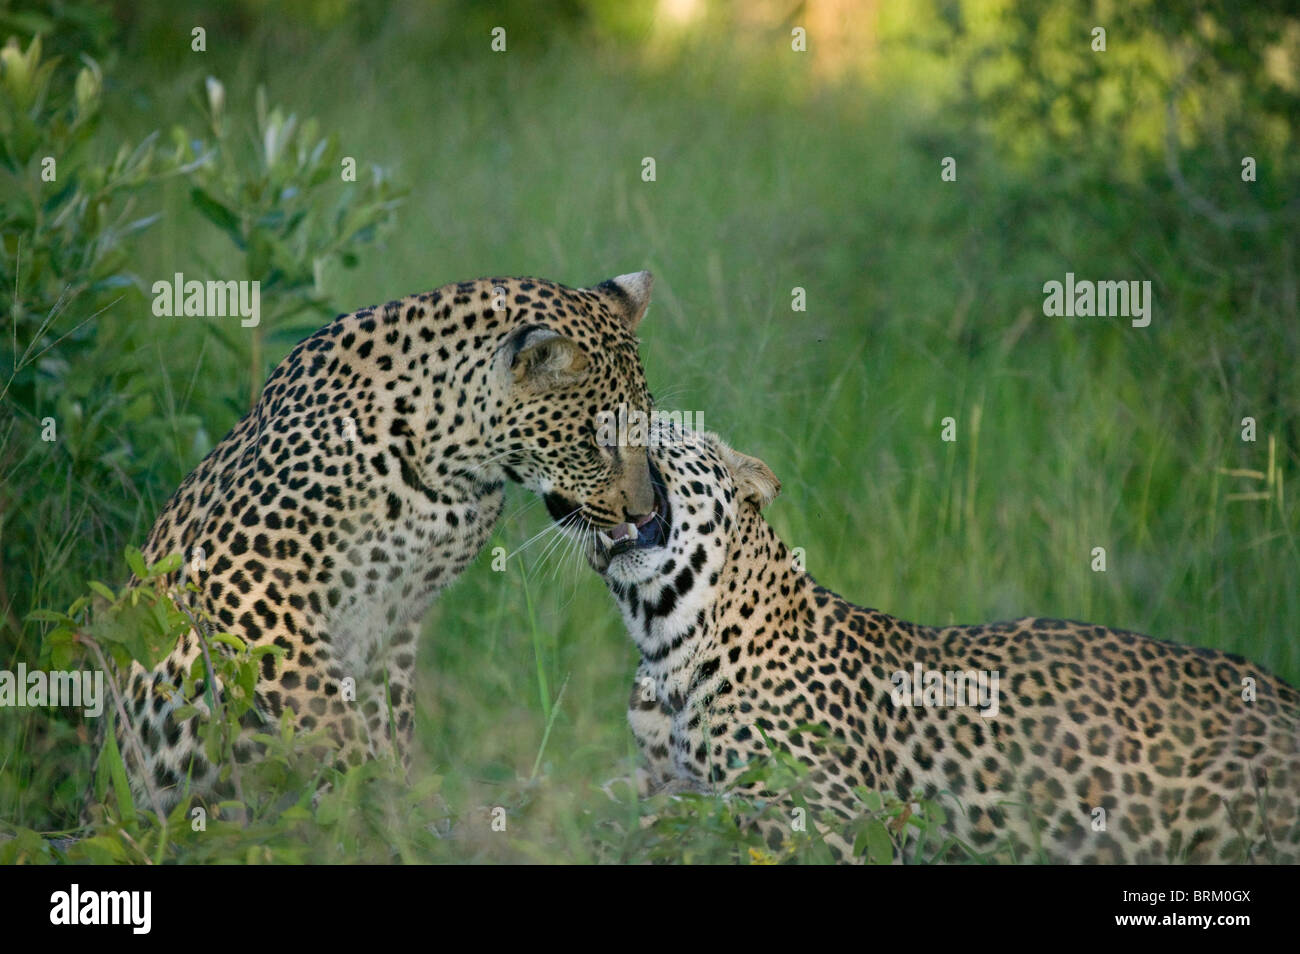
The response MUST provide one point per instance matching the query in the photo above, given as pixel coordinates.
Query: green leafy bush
(68, 224)
(89, 445)
(291, 203)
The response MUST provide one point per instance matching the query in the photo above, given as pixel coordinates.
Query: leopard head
(702, 490)
(567, 364)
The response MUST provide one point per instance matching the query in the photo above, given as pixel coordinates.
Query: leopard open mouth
(646, 532)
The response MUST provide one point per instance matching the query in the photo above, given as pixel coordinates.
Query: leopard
(367, 476)
(1088, 745)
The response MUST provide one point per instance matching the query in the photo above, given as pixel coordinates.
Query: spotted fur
(365, 479)
(735, 638)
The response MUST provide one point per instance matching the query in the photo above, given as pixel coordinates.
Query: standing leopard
(367, 476)
(1193, 755)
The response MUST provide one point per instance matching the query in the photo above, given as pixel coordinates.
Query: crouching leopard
(1193, 755)
(367, 476)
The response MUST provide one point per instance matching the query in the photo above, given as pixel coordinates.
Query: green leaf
(117, 773)
(431, 785)
(234, 642)
(135, 560)
(139, 629)
(212, 742)
(168, 564)
(61, 645)
(51, 616)
(25, 846)
(104, 849)
(880, 850)
(218, 214)
(103, 590)
(230, 809)
(936, 812)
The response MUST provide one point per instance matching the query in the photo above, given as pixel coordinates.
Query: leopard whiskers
(558, 539)
(549, 528)
(524, 508)
(576, 544)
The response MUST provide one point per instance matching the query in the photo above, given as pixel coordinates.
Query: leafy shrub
(67, 226)
(86, 453)
(275, 192)
(289, 791)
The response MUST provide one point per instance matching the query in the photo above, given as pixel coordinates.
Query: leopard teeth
(604, 538)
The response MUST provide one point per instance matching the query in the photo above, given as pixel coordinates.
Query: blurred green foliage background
(775, 169)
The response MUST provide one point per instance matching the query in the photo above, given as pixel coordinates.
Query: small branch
(218, 710)
(128, 729)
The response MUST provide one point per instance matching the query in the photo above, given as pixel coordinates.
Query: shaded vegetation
(774, 170)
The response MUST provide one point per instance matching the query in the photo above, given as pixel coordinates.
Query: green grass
(924, 302)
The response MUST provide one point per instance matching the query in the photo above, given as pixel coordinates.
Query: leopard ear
(629, 295)
(755, 481)
(542, 359)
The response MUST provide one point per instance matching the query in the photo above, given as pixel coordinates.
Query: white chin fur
(634, 566)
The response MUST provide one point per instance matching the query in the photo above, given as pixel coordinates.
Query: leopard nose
(640, 506)
(639, 489)
(640, 501)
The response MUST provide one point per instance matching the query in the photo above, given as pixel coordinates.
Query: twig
(218, 710)
(128, 729)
